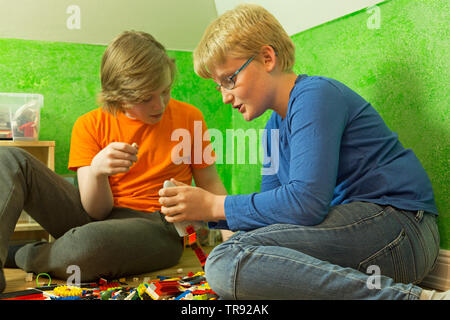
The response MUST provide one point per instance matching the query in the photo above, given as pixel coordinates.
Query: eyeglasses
(229, 82)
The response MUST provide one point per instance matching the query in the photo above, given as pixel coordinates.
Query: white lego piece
(182, 225)
(29, 277)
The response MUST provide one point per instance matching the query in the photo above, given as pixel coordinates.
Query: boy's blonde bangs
(240, 33)
(211, 51)
(133, 66)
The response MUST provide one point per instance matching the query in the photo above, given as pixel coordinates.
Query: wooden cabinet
(27, 228)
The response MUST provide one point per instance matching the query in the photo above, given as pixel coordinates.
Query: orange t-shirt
(138, 188)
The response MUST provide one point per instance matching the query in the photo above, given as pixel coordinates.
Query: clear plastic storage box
(20, 116)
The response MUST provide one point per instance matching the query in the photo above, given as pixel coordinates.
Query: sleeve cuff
(221, 224)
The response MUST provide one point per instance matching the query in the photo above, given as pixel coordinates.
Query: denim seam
(428, 252)
(399, 264)
(418, 218)
(407, 292)
(312, 228)
(433, 264)
(391, 245)
(234, 274)
(415, 220)
(354, 223)
(414, 228)
(436, 241)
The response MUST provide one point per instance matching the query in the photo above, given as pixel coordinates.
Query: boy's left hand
(185, 202)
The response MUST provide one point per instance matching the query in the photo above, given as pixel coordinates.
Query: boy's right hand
(117, 157)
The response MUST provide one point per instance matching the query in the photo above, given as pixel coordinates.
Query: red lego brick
(190, 229)
(192, 238)
(161, 289)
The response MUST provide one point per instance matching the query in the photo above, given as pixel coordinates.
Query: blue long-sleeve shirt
(334, 148)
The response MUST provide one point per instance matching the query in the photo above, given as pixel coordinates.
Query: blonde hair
(133, 66)
(240, 33)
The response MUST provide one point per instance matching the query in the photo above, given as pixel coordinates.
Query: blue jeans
(360, 251)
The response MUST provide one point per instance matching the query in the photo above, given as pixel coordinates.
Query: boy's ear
(269, 57)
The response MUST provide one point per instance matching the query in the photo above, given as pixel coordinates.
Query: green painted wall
(68, 75)
(401, 68)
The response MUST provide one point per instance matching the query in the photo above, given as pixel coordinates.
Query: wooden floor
(16, 278)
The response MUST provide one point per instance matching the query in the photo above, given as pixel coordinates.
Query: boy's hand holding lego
(185, 202)
(95, 191)
(115, 158)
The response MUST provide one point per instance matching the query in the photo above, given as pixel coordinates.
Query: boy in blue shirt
(346, 199)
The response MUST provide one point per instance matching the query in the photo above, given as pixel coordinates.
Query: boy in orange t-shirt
(138, 188)
(122, 152)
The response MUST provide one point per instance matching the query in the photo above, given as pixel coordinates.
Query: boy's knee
(9, 153)
(221, 268)
(82, 248)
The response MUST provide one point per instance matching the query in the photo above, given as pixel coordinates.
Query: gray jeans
(127, 242)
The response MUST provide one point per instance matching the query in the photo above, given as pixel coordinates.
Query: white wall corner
(299, 15)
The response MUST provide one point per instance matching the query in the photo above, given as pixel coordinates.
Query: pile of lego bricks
(190, 287)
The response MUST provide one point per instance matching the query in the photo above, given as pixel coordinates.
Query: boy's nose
(227, 97)
(159, 104)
